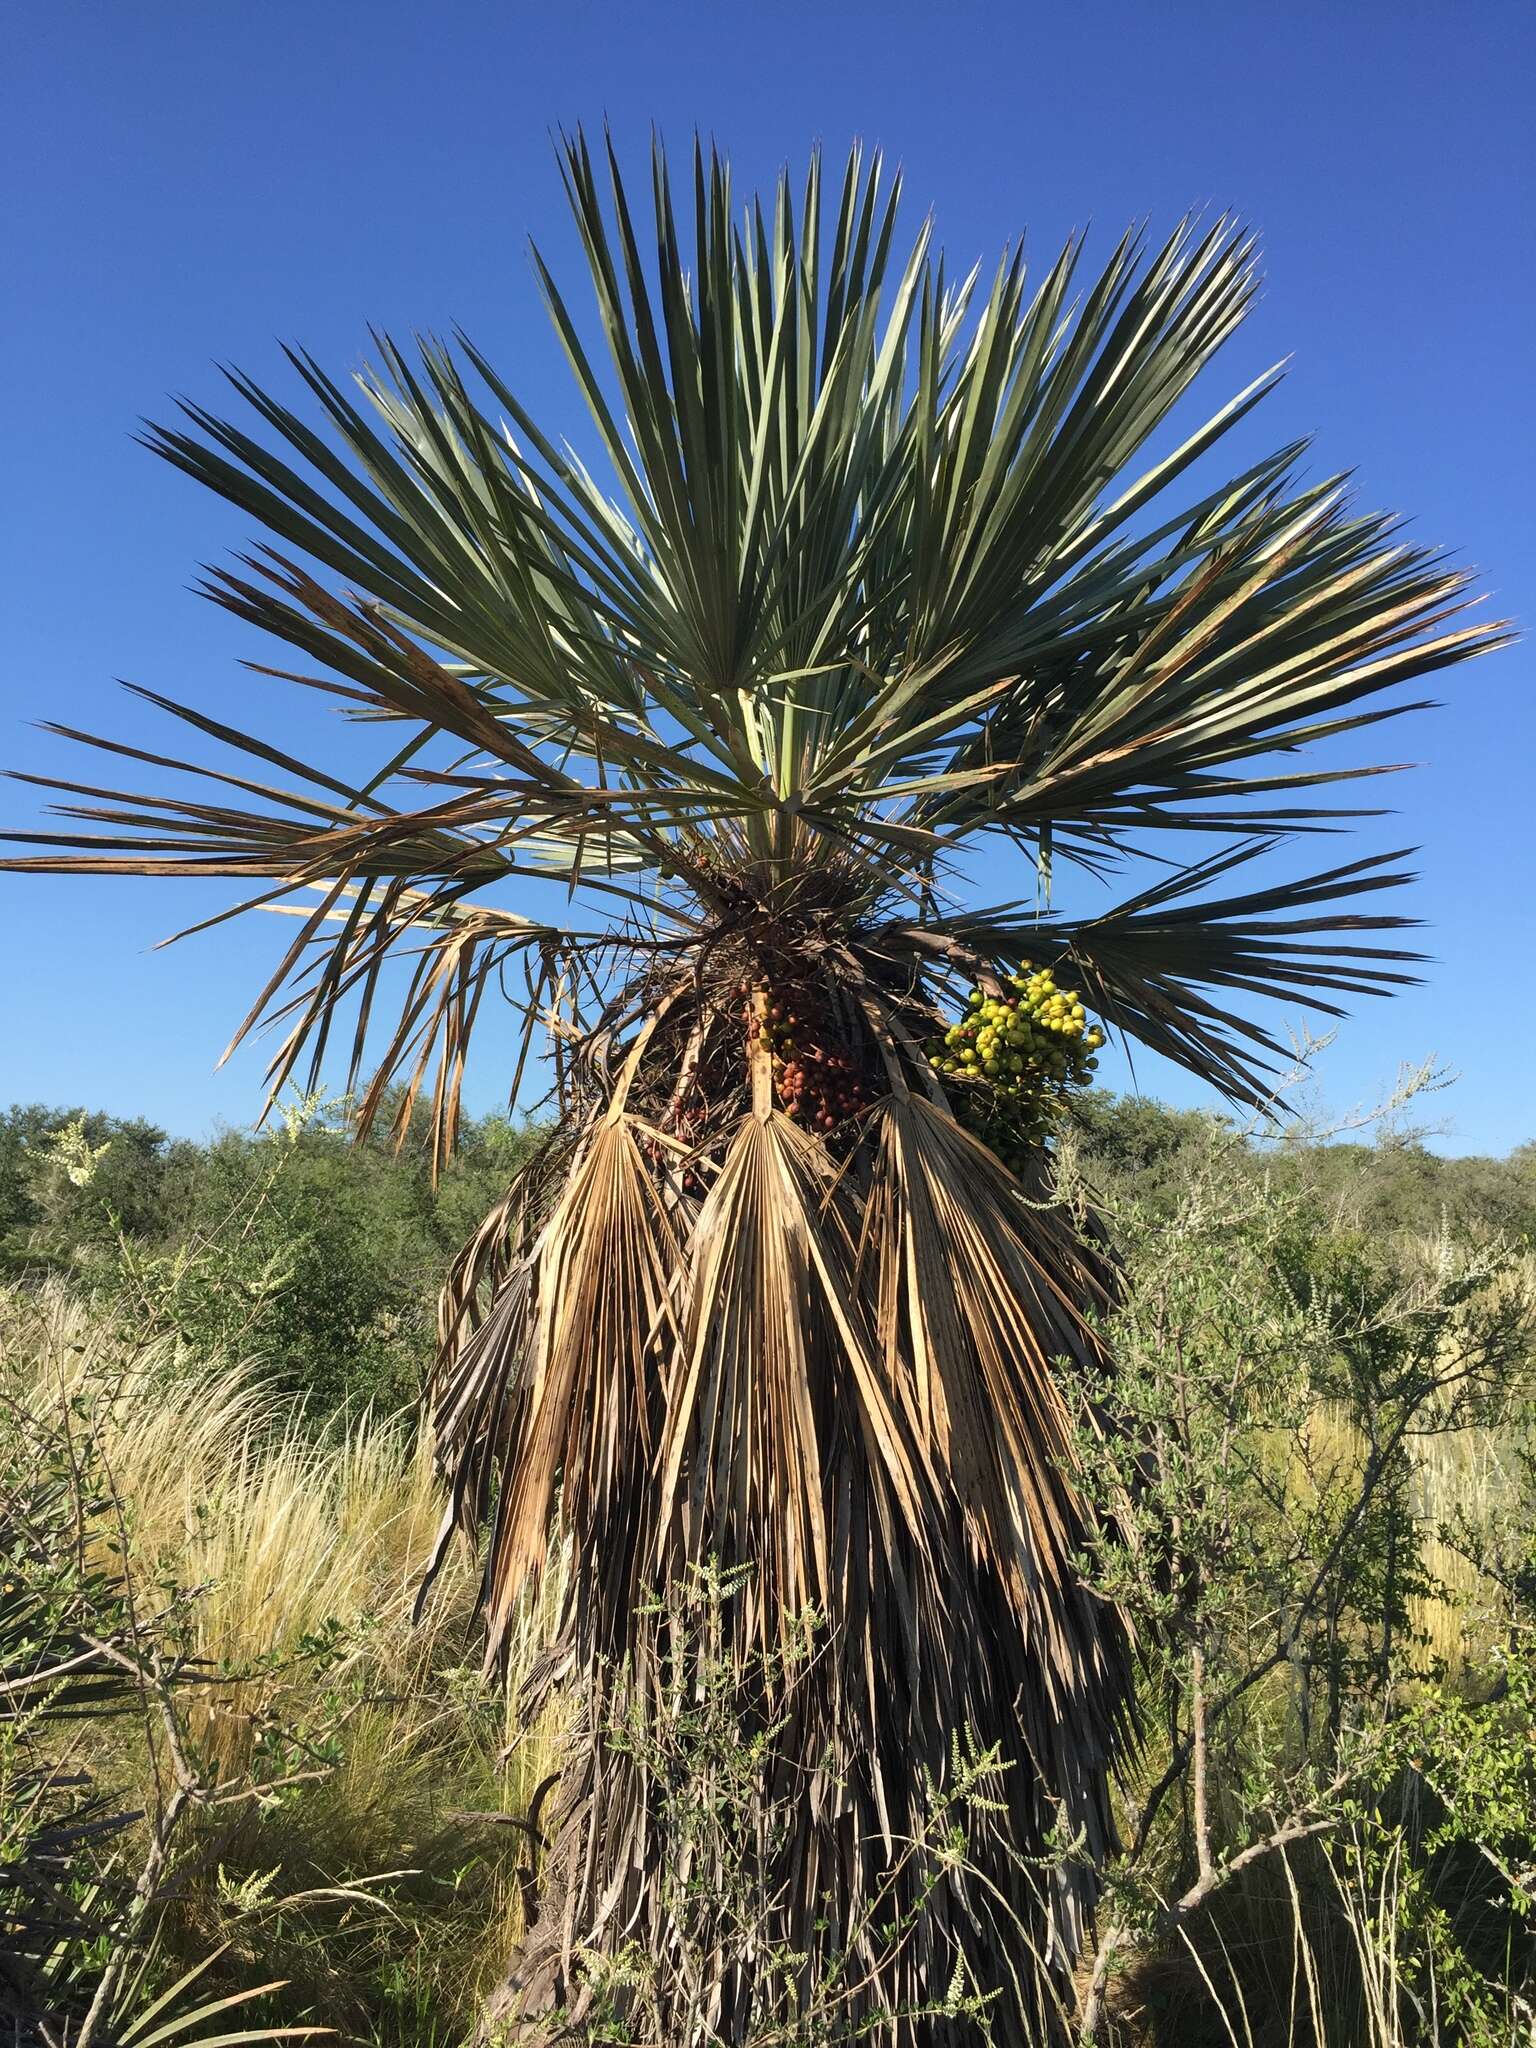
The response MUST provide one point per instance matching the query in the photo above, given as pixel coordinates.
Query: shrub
(318, 1257)
(1260, 1459)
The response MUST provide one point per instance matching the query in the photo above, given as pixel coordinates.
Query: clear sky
(191, 180)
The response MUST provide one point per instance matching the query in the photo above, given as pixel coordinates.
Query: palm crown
(881, 577)
(875, 567)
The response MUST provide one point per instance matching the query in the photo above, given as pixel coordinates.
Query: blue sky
(190, 183)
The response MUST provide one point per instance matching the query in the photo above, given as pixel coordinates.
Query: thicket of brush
(319, 1256)
(227, 1747)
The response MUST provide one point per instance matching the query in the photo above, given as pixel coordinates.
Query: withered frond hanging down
(744, 1454)
(869, 580)
(555, 1380)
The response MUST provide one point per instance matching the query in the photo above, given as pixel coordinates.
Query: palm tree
(875, 570)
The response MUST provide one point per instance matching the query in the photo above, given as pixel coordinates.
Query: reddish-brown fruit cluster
(817, 1082)
(686, 1121)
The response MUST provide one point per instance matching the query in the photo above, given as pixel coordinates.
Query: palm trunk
(769, 1800)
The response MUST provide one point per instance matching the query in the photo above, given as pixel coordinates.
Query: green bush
(319, 1257)
(1269, 1459)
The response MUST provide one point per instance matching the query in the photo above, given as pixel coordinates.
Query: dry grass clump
(298, 1552)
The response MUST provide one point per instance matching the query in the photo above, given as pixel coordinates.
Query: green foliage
(1136, 1148)
(1399, 1185)
(287, 1818)
(73, 1176)
(321, 1257)
(95, 1639)
(1260, 1458)
(56, 1602)
(1132, 1145)
(312, 1254)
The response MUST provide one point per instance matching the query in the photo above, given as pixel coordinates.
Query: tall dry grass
(298, 1549)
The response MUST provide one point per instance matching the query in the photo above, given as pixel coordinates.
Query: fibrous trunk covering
(835, 1372)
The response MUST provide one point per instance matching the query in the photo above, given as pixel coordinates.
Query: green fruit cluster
(1020, 1051)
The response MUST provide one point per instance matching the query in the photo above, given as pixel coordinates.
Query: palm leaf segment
(874, 567)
